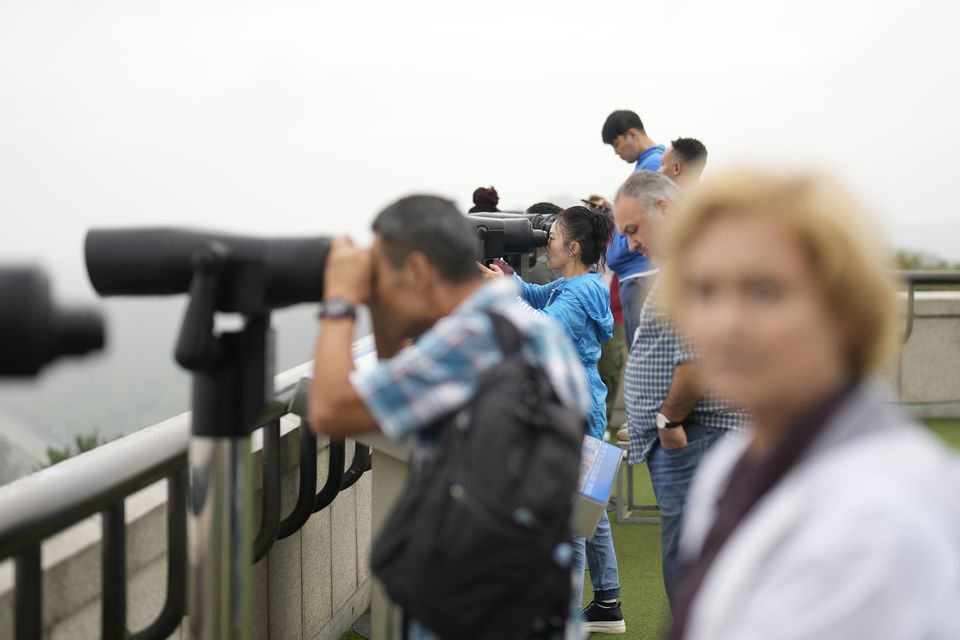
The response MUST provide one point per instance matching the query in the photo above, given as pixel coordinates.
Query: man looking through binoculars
(421, 282)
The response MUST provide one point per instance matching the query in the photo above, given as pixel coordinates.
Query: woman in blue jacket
(580, 302)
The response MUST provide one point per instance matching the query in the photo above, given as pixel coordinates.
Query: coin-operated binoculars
(34, 331)
(508, 236)
(232, 381)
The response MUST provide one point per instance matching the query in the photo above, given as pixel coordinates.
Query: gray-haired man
(672, 421)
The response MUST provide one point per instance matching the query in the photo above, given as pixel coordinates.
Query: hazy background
(308, 117)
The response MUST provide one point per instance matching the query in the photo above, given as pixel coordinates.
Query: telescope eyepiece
(34, 331)
(79, 331)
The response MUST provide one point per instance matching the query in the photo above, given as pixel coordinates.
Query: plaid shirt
(438, 375)
(656, 351)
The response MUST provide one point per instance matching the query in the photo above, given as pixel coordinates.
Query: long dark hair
(591, 230)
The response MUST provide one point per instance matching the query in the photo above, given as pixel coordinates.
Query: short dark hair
(544, 208)
(690, 150)
(434, 227)
(618, 123)
(591, 229)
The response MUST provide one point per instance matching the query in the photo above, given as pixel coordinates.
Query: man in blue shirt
(623, 130)
(684, 161)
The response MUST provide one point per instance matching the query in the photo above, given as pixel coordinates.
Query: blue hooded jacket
(581, 305)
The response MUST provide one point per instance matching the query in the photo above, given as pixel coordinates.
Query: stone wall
(926, 374)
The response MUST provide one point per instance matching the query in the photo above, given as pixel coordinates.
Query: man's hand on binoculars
(349, 272)
(493, 272)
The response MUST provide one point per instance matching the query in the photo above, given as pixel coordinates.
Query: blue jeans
(602, 560)
(633, 293)
(671, 471)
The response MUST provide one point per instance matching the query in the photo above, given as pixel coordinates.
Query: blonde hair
(848, 257)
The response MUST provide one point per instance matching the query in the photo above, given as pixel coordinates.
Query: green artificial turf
(946, 428)
(643, 598)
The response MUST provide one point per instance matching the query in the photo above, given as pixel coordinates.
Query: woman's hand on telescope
(493, 272)
(349, 272)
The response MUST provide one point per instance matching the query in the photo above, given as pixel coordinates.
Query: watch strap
(336, 308)
(667, 422)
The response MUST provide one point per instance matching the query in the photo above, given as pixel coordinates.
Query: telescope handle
(197, 347)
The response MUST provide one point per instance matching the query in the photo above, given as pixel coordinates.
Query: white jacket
(861, 539)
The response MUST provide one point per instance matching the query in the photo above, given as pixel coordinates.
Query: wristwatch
(664, 423)
(336, 308)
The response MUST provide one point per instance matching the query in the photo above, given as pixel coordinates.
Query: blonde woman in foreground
(838, 517)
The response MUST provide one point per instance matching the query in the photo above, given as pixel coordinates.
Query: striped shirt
(657, 350)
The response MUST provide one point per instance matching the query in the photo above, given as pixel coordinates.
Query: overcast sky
(310, 116)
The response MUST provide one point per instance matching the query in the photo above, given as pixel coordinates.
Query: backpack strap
(508, 336)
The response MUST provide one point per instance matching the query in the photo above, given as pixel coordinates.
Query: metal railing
(101, 483)
(914, 279)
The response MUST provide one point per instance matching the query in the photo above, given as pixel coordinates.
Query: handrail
(361, 464)
(326, 495)
(175, 603)
(929, 276)
(303, 507)
(113, 572)
(84, 485)
(270, 518)
(99, 481)
(913, 279)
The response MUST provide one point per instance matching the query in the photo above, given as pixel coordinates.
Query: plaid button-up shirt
(438, 375)
(656, 351)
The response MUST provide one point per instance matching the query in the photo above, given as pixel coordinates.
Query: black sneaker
(604, 618)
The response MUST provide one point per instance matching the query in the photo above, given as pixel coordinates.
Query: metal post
(228, 400)
(219, 534)
(113, 601)
(29, 594)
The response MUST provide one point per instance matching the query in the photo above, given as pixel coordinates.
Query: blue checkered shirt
(656, 351)
(439, 373)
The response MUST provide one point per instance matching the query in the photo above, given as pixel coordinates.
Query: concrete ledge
(933, 304)
(344, 618)
(926, 374)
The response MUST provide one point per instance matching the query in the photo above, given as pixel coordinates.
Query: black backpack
(479, 545)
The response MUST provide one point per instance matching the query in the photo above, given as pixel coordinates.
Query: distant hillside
(914, 260)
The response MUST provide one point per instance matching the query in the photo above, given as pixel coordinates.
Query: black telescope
(221, 272)
(232, 381)
(539, 221)
(255, 274)
(503, 236)
(34, 331)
